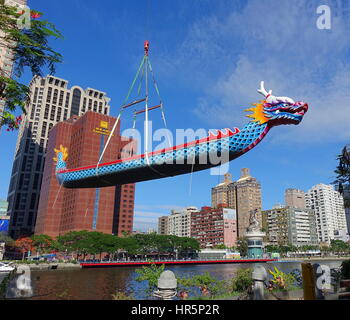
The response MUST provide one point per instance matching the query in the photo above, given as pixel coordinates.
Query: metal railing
(167, 260)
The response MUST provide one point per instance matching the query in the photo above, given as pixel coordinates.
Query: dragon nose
(306, 107)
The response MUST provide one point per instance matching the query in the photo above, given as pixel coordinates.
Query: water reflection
(102, 283)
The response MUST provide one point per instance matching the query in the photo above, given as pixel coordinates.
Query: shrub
(345, 269)
(242, 280)
(281, 280)
(206, 283)
(119, 295)
(150, 274)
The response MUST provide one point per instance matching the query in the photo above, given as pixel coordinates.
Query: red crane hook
(146, 47)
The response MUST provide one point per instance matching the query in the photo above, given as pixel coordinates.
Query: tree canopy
(26, 48)
(343, 174)
(96, 243)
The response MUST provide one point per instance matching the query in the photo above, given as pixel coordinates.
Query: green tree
(345, 270)
(98, 243)
(339, 247)
(343, 173)
(7, 239)
(30, 49)
(74, 242)
(272, 249)
(130, 246)
(24, 244)
(242, 245)
(42, 243)
(220, 246)
(112, 244)
(242, 280)
(189, 245)
(150, 274)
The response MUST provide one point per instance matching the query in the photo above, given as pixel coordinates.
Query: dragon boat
(193, 156)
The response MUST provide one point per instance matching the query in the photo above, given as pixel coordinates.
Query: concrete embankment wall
(52, 266)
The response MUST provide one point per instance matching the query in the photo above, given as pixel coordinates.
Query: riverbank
(170, 262)
(103, 283)
(314, 259)
(51, 266)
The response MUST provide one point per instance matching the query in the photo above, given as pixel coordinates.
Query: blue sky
(209, 57)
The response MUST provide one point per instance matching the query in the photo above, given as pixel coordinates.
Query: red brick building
(109, 209)
(214, 226)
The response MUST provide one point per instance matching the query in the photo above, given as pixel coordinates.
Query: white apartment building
(287, 225)
(328, 205)
(51, 101)
(179, 222)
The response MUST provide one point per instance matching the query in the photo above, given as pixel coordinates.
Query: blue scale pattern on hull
(164, 164)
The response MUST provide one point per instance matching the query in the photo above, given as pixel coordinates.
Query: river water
(102, 283)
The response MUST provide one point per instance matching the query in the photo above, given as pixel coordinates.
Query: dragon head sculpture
(277, 110)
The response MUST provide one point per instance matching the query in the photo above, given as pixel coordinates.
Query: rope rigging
(142, 74)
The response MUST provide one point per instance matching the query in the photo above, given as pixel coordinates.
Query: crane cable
(120, 113)
(145, 64)
(161, 101)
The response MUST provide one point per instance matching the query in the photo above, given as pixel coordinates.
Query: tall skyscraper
(108, 210)
(287, 225)
(224, 193)
(248, 198)
(328, 205)
(295, 198)
(6, 53)
(51, 101)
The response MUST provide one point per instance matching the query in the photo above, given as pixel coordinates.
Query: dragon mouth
(300, 110)
(287, 114)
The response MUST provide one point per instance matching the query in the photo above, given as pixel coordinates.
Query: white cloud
(144, 220)
(281, 46)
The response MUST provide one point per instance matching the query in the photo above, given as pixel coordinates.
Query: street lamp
(167, 285)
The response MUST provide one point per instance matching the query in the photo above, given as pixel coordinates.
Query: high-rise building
(224, 193)
(3, 207)
(4, 218)
(287, 225)
(214, 226)
(163, 225)
(6, 53)
(51, 101)
(179, 222)
(328, 205)
(295, 198)
(108, 209)
(248, 198)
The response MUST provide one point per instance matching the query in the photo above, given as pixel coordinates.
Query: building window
(36, 181)
(76, 102)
